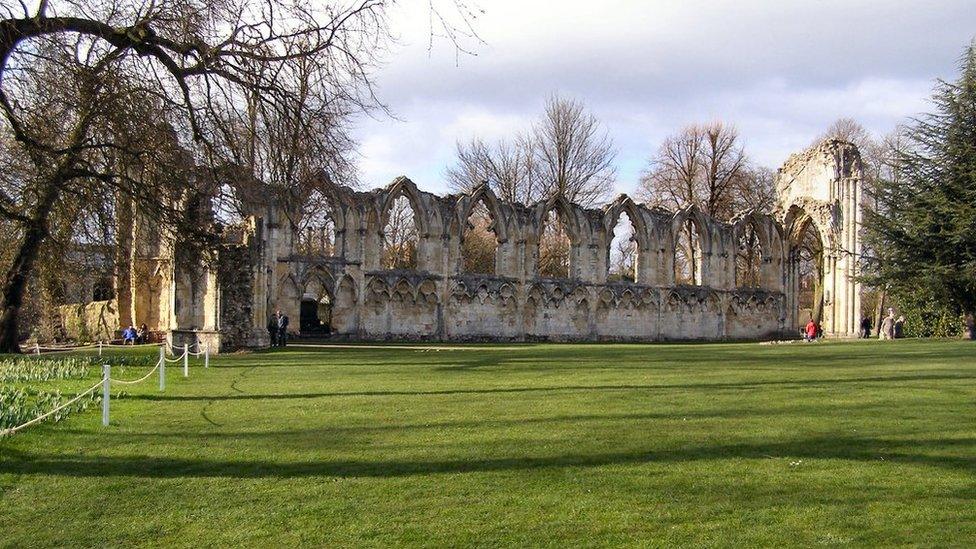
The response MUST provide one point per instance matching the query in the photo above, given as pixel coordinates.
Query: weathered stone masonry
(228, 301)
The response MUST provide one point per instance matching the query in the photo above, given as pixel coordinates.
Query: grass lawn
(562, 445)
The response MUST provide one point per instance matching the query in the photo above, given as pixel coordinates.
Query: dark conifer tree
(924, 229)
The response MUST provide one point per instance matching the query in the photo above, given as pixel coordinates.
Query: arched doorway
(315, 316)
(806, 271)
(315, 309)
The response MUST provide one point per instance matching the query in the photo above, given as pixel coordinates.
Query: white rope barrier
(42, 417)
(107, 380)
(44, 350)
(175, 359)
(140, 380)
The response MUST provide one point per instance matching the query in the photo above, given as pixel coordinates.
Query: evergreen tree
(924, 230)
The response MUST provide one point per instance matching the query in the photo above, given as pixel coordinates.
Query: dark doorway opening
(315, 317)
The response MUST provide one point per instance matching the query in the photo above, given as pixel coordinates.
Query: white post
(162, 368)
(99, 348)
(106, 389)
(206, 356)
(186, 360)
(37, 349)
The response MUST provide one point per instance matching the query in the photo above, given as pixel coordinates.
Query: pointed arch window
(316, 227)
(400, 236)
(479, 244)
(688, 254)
(554, 247)
(622, 255)
(748, 258)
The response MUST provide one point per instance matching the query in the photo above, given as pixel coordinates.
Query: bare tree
(566, 152)
(706, 166)
(755, 190)
(81, 133)
(507, 167)
(847, 129)
(220, 71)
(573, 153)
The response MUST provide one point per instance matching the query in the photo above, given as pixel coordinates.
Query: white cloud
(781, 71)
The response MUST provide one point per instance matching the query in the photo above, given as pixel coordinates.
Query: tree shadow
(853, 449)
(677, 415)
(569, 388)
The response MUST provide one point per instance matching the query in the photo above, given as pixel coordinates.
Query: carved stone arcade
(226, 300)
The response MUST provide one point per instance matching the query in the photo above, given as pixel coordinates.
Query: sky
(781, 72)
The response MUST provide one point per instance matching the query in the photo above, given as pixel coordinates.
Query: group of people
(278, 329)
(131, 336)
(891, 328)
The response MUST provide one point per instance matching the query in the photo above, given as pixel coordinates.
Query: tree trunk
(879, 310)
(15, 282)
(969, 328)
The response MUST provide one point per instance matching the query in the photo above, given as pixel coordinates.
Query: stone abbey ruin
(336, 283)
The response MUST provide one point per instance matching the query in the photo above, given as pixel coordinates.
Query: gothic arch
(566, 211)
(467, 203)
(700, 268)
(701, 222)
(622, 204)
(424, 218)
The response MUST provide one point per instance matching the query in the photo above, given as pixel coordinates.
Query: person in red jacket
(810, 333)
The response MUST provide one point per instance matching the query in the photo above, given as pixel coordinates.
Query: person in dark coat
(900, 327)
(866, 326)
(273, 330)
(282, 329)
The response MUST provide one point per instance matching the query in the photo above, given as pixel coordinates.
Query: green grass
(560, 445)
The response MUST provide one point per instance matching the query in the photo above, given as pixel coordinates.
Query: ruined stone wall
(235, 282)
(822, 187)
(228, 302)
(440, 301)
(93, 321)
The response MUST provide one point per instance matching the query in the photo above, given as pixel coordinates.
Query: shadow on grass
(568, 388)
(625, 357)
(854, 449)
(676, 415)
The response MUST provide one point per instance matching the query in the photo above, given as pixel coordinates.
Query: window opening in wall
(400, 236)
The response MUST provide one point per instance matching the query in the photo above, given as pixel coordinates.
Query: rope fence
(49, 349)
(140, 380)
(107, 381)
(44, 416)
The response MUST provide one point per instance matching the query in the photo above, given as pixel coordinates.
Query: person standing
(887, 330)
(273, 330)
(866, 327)
(282, 329)
(899, 330)
(810, 333)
